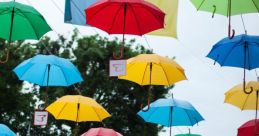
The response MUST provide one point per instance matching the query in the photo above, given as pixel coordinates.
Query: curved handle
(148, 106)
(6, 58)
(214, 10)
(121, 53)
(231, 36)
(244, 89)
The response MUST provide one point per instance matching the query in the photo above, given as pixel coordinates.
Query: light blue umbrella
(48, 70)
(6, 131)
(171, 112)
(242, 51)
(74, 11)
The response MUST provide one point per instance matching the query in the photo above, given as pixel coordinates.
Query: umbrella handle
(121, 53)
(229, 32)
(6, 58)
(148, 106)
(248, 92)
(214, 11)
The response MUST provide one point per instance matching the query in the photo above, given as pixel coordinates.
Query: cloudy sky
(207, 83)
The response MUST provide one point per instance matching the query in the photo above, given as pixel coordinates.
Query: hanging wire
(147, 43)
(243, 24)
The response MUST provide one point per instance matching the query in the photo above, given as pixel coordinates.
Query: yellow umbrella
(77, 108)
(244, 99)
(152, 69)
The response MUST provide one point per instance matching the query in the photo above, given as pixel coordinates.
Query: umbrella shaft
(11, 27)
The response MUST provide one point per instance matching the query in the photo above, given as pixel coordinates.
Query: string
(243, 24)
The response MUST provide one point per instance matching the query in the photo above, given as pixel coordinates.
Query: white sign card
(117, 67)
(40, 118)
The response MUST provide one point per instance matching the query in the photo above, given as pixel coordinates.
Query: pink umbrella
(101, 132)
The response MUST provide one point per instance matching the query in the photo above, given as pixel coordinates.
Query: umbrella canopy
(227, 8)
(6, 131)
(187, 135)
(74, 11)
(174, 112)
(242, 51)
(48, 70)
(101, 132)
(77, 108)
(248, 129)
(152, 69)
(222, 6)
(20, 22)
(135, 17)
(244, 101)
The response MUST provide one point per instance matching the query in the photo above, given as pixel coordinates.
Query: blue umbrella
(242, 51)
(74, 11)
(171, 112)
(48, 70)
(6, 131)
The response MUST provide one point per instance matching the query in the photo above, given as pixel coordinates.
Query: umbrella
(170, 8)
(6, 131)
(74, 11)
(247, 100)
(136, 17)
(248, 129)
(242, 51)
(48, 70)
(101, 132)
(227, 8)
(152, 69)
(20, 22)
(173, 112)
(77, 108)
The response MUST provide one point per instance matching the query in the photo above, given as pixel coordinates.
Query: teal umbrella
(20, 22)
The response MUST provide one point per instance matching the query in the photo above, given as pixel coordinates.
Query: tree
(122, 99)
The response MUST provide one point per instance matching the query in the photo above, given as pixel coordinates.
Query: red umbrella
(249, 129)
(136, 17)
(101, 132)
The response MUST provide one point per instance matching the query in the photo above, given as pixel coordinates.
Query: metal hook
(229, 32)
(214, 11)
(247, 92)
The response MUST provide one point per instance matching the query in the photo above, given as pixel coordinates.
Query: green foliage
(122, 99)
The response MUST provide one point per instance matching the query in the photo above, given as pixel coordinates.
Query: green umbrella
(20, 22)
(227, 8)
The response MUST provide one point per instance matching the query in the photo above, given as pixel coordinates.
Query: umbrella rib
(97, 114)
(95, 13)
(78, 9)
(189, 117)
(255, 6)
(136, 19)
(2, 12)
(114, 18)
(64, 75)
(245, 102)
(61, 110)
(200, 5)
(229, 54)
(142, 82)
(165, 75)
(30, 23)
(44, 75)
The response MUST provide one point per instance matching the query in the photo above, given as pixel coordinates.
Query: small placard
(40, 118)
(117, 67)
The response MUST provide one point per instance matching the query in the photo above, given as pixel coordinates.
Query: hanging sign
(117, 67)
(40, 118)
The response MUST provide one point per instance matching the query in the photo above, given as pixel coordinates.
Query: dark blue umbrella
(48, 70)
(6, 131)
(242, 51)
(171, 112)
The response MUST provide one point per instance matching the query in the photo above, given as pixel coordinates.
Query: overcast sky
(207, 83)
